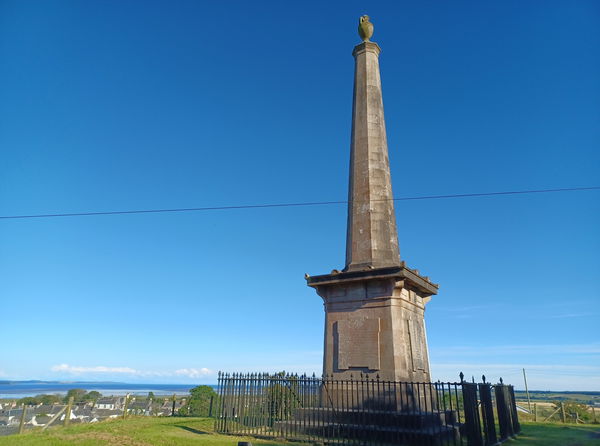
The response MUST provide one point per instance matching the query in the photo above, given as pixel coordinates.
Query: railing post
(471, 412)
(504, 411)
(224, 403)
(487, 411)
(513, 410)
(501, 409)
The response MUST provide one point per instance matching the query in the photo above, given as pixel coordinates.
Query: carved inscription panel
(358, 343)
(416, 336)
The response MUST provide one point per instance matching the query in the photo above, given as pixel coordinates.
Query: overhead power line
(282, 205)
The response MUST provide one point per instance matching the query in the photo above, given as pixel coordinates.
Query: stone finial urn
(365, 28)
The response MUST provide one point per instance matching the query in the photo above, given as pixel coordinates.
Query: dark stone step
(430, 436)
(416, 420)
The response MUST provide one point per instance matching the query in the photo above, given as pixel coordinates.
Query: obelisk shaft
(375, 308)
(372, 239)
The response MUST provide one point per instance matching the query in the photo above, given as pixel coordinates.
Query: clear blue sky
(117, 105)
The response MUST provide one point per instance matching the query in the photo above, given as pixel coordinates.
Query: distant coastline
(20, 389)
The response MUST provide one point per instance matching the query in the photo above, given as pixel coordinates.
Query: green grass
(546, 434)
(147, 431)
(134, 431)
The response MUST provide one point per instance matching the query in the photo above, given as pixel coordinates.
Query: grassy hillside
(146, 431)
(543, 434)
(135, 431)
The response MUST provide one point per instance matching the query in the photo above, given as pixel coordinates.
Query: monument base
(374, 324)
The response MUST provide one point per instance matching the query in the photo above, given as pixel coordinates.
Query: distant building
(110, 403)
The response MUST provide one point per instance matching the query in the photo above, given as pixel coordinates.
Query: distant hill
(37, 381)
(586, 397)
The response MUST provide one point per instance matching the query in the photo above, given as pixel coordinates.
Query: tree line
(79, 396)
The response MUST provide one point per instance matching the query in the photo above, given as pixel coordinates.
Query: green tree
(39, 399)
(49, 399)
(575, 410)
(28, 401)
(77, 395)
(282, 396)
(91, 396)
(199, 402)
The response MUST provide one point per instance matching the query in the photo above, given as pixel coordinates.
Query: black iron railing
(365, 410)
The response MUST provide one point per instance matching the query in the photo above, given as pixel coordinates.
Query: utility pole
(527, 391)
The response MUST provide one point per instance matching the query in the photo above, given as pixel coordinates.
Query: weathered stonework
(374, 323)
(374, 308)
(372, 238)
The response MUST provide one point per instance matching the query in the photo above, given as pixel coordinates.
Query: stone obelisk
(374, 307)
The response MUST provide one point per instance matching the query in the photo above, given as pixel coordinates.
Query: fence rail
(366, 410)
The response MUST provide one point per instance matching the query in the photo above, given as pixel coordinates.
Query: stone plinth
(374, 323)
